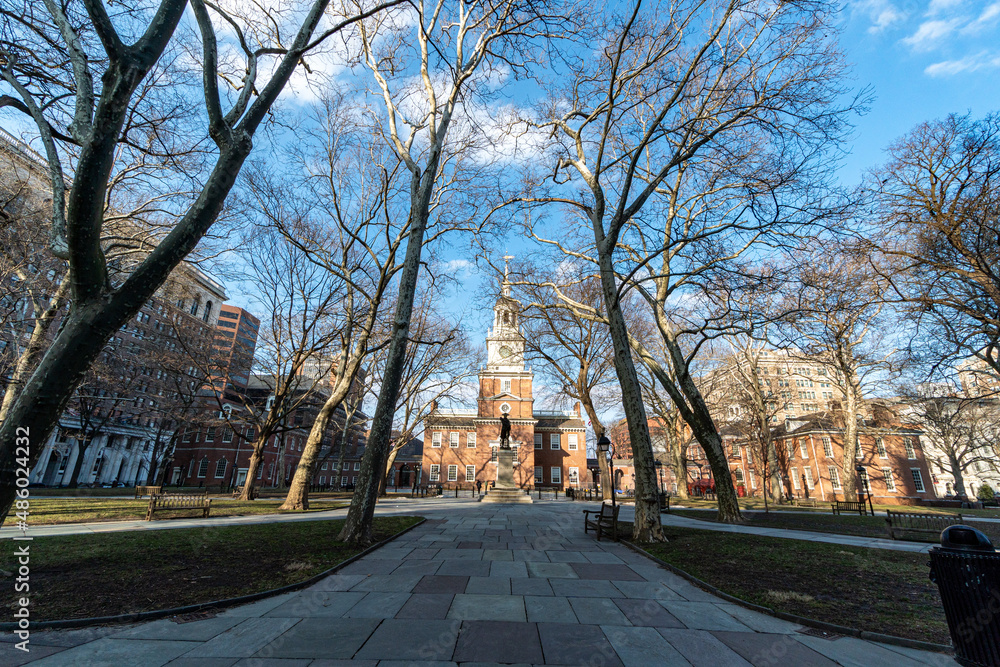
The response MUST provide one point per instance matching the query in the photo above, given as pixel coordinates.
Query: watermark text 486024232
(22, 552)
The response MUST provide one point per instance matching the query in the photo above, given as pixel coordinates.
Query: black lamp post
(604, 449)
(860, 469)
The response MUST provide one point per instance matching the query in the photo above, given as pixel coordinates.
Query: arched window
(208, 311)
(194, 306)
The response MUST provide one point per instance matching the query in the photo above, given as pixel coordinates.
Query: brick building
(460, 446)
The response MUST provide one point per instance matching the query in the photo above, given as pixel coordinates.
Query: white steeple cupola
(504, 343)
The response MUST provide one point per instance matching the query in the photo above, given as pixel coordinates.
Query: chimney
(434, 406)
(577, 408)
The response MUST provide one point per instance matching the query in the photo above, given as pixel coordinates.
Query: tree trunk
(32, 353)
(957, 475)
(298, 492)
(772, 465)
(390, 461)
(357, 528)
(602, 461)
(647, 526)
(850, 446)
(678, 462)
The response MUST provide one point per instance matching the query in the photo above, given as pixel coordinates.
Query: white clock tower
(504, 342)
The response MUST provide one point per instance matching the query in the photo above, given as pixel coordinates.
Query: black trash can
(663, 500)
(966, 569)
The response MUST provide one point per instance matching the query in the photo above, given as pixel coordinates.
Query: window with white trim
(918, 480)
(227, 434)
(436, 439)
(538, 441)
(203, 468)
(343, 480)
(556, 474)
(802, 448)
(470, 473)
(470, 440)
(453, 439)
(796, 481)
(220, 468)
(571, 443)
(574, 475)
(357, 465)
(739, 475)
(453, 473)
(890, 483)
(538, 474)
(808, 472)
(260, 472)
(435, 473)
(505, 386)
(827, 447)
(859, 454)
(880, 448)
(322, 480)
(753, 480)
(553, 441)
(911, 453)
(210, 434)
(834, 477)
(790, 449)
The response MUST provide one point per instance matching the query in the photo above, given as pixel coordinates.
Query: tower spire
(506, 272)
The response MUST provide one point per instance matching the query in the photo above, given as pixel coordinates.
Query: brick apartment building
(460, 446)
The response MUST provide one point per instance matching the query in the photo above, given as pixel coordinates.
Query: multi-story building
(233, 347)
(460, 446)
(125, 419)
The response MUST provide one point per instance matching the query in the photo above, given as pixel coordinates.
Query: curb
(801, 620)
(202, 606)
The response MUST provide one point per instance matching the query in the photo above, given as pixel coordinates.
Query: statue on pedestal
(504, 431)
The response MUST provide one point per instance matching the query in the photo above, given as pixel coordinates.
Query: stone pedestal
(506, 491)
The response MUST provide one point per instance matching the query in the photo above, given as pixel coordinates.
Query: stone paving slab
(483, 585)
(499, 641)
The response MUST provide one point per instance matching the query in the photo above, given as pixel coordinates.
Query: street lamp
(604, 448)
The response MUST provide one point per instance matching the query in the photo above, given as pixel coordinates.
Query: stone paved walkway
(477, 585)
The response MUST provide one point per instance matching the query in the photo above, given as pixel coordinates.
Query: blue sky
(923, 60)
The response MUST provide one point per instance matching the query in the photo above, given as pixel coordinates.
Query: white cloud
(881, 13)
(931, 34)
(987, 19)
(456, 265)
(937, 7)
(980, 61)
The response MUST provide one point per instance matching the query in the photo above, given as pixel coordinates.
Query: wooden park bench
(254, 492)
(839, 506)
(916, 522)
(177, 501)
(605, 519)
(805, 502)
(141, 491)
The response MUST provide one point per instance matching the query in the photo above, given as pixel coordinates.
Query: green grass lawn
(47, 511)
(870, 589)
(82, 576)
(843, 524)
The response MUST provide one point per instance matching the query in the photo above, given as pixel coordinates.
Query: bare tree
(439, 362)
(104, 60)
(838, 320)
(575, 350)
(937, 223)
(960, 432)
(454, 46)
(693, 135)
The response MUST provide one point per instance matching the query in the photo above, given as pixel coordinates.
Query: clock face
(505, 352)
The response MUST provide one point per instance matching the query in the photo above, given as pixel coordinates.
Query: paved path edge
(202, 606)
(802, 620)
